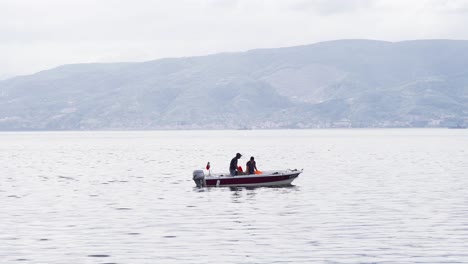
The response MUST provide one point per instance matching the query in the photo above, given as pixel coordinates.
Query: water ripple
(366, 196)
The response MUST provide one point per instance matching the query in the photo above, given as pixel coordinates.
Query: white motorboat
(266, 178)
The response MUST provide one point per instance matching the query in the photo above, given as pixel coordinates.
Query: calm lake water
(366, 196)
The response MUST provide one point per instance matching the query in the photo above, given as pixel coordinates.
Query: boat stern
(199, 178)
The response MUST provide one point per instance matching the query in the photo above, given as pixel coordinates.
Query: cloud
(39, 34)
(328, 7)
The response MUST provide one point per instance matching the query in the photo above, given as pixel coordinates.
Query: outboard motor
(199, 178)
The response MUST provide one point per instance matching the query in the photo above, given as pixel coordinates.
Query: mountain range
(343, 83)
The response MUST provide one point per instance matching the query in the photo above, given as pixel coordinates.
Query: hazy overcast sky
(41, 34)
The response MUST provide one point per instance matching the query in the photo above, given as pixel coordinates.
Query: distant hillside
(346, 83)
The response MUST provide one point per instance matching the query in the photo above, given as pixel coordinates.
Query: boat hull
(253, 180)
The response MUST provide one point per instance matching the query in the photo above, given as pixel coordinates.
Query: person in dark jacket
(233, 165)
(251, 166)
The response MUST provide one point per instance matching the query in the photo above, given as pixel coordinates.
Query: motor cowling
(199, 178)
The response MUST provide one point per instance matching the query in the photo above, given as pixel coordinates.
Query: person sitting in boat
(233, 166)
(251, 166)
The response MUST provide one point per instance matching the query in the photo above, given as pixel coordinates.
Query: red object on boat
(208, 165)
(240, 169)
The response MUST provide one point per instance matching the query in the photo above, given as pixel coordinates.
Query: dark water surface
(366, 196)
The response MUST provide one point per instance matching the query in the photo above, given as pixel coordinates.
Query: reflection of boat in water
(266, 178)
(457, 127)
